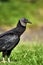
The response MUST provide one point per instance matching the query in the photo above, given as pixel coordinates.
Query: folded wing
(7, 42)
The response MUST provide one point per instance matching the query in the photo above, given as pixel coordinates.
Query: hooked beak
(29, 22)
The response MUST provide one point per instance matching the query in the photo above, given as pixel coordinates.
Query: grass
(28, 53)
(12, 11)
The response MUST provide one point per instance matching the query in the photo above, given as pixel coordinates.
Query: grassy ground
(26, 54)
(12, 11)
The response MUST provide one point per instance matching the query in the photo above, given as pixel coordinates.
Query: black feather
(10, 39)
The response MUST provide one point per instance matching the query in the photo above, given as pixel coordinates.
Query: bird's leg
(8, 54)
(3, 54)
(3, 60)
(8, 59)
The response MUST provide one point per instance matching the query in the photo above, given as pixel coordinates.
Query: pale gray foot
(3, 60)
(9, 60)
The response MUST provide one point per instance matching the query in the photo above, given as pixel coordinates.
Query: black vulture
(10, 39)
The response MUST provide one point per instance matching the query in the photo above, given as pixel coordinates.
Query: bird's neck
(20, 28)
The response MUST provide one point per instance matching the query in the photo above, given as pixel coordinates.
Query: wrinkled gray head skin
(24, 21)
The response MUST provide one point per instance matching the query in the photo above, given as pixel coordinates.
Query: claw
(9, 60)
(3, 60)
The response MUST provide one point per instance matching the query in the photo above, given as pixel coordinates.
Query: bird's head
(24, 21)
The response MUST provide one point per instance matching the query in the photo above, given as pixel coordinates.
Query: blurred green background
(30, 49)
(12, 10)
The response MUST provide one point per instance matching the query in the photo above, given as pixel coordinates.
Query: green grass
(28, 53)
(12, 11)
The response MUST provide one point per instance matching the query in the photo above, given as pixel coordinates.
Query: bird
(10, 39)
